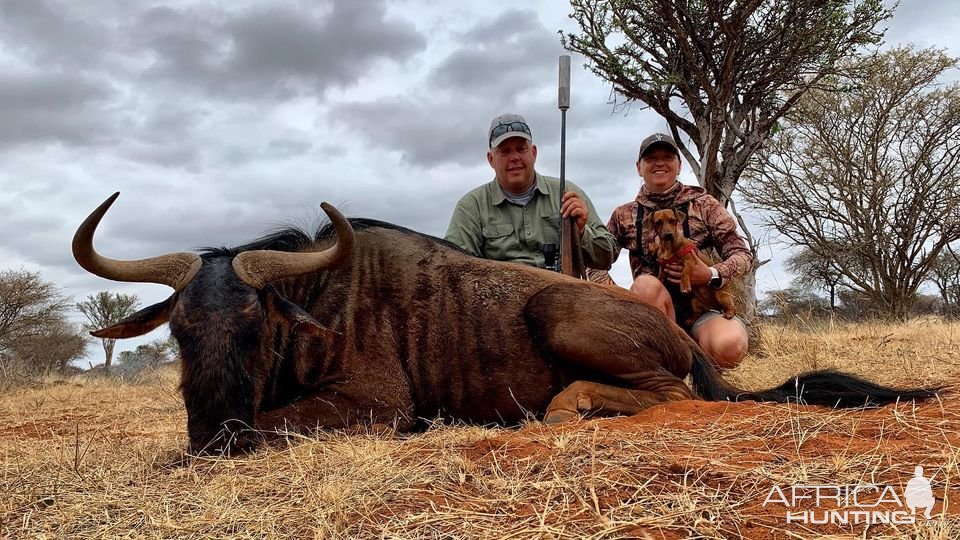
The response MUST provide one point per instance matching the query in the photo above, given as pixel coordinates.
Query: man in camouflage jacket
(707, 224)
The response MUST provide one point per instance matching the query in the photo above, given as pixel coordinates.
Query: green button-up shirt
(487, 225)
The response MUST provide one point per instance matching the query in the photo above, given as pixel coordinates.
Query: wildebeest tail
(825, 387)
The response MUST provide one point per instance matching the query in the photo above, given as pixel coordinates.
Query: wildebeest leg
(334, 409)
(632, 346)
(585, 396)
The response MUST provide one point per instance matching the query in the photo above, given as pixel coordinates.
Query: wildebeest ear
(292, 313)
(140, 322)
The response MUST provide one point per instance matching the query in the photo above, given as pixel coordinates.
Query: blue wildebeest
(367, 322)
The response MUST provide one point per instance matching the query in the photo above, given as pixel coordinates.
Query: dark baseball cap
(660, 139)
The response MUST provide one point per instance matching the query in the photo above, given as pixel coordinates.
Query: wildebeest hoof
(558, 416)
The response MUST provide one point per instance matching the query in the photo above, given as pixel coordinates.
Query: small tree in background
(51, 349)
(945, 274)
(147, 356)
(815, 272)
(35, 333)
(105, 309)
(793, 302)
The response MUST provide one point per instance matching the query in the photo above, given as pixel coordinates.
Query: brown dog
(671, 248)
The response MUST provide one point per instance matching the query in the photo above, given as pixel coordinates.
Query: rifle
(571, 255)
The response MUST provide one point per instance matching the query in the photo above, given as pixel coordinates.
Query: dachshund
(673, 248)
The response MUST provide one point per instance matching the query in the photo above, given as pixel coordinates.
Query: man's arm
(465, 229)
(599, 247)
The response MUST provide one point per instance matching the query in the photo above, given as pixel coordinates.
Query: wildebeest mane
(291, 238)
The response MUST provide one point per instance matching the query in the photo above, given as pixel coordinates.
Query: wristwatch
(715, 280)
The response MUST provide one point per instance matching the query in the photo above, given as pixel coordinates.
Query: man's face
(659, 168)
(513, 162)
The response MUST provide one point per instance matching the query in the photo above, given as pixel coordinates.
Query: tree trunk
(108, 345)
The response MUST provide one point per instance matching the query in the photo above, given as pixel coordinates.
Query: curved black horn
(175, 269)
(259, 267)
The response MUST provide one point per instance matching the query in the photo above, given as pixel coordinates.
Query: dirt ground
(86, 459)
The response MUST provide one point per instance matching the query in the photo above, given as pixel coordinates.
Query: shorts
(714, 313)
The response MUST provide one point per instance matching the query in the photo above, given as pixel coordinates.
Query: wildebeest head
(222, 308)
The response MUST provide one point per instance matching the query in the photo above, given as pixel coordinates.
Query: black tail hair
(825, 387)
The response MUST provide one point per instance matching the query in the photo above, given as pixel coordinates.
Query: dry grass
(94, 459)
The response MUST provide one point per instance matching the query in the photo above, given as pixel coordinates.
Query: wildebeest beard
(370, 323)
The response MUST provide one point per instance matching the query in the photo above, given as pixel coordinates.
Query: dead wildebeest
(372, 323)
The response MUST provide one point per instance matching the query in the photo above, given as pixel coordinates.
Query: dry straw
(95, 459)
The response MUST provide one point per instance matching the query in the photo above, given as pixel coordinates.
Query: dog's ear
(680, 215)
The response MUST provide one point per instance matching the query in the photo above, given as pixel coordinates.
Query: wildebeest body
(421, 328)
(379, 324)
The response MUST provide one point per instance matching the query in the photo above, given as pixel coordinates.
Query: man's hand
(700, 275)
(572, 206)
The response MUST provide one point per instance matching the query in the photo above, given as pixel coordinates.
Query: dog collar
(686, 250)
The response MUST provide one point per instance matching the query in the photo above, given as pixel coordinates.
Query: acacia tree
(104, 309)
(793, 302)
(876, 170)
(35, 333)
(814, 271)
(945, 274)
(722, 73)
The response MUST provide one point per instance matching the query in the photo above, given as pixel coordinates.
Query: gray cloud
(49, 33)
(274, 52)
(504, 64)
(450, 128)
(423, 133)
(58, 107)
(500, 57)
(145, 79)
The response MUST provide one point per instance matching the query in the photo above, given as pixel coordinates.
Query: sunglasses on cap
(512, 127)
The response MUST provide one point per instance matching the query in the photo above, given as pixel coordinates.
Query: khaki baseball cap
(506, 126)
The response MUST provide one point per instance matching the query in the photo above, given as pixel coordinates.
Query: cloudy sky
(219, 120)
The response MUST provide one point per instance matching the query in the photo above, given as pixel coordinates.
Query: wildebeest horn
(259, 267)
(175, 269)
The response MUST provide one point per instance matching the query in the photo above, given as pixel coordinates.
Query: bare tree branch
(868, 179)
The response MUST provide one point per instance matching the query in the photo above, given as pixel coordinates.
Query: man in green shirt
(513, 216)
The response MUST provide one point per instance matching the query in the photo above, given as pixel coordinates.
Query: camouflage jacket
(710, 227)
